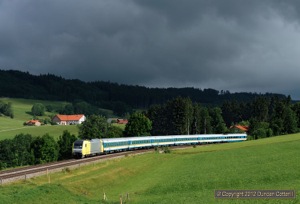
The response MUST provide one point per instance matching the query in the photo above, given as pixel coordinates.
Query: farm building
(239, 128)
(117, 120)
(68, 119)
(122, 121)
(33, 123)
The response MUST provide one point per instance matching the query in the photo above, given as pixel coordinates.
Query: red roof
(32, 121)
(69, 117)
(122, 121)
(241, 127)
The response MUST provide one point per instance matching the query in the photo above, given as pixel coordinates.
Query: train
(86, 148)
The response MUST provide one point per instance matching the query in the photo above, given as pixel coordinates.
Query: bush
(47, 121)
(166, 150)
(45, 149)
(114, 132)
(38, 109)
(49, 108)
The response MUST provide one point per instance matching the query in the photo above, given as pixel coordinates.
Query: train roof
(167, 137)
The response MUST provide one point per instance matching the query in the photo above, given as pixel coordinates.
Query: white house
(69, 119)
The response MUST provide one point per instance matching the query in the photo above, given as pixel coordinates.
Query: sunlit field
(184, 176)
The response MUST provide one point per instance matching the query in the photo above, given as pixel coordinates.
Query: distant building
(122, 121)
(112, 120)
(117, 120)
(239, 128)
(33, 123)
(68, 119)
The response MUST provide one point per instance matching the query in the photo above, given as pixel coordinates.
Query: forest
(117, 97)
(264, 116)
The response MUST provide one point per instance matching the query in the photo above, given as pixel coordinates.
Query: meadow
(9, 127)
(184, 176)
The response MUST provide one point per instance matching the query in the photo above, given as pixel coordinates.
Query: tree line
(77, 107)
(120, 98)
(177, 117)
(24, 149)
(264, 116)
(181, 116)
(96, 126)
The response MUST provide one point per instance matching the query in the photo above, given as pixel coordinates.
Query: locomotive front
(77, 149)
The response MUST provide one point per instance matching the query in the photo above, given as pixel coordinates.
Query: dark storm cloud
(231, 45)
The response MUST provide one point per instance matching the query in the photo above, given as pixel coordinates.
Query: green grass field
(22, 107)
(183, 176)
(9, 127)
(55, 131)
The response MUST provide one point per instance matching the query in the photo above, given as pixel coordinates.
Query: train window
(78, 144)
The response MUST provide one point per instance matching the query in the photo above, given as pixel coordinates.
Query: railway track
(24, 173)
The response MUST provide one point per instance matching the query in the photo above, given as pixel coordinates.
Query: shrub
(166, 150)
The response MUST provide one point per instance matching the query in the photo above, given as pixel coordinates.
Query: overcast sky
(235, 45)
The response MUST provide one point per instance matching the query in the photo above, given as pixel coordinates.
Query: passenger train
(85, 148)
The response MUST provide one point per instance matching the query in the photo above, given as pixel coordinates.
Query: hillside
(22, 112)
(183, 176)
(117, 97)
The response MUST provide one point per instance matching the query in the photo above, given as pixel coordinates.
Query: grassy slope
(184, 176)
(22, 108)
(54, 131)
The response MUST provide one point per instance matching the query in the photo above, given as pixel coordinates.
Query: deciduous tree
(38, 109)
(65, 142)
(21, 149)
(114, 132)
(45, 149)
(138, 125)
(95, 126)
(6, 109)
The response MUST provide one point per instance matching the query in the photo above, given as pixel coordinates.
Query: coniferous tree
(197, 124)
(157, 116)
(217, 121)
(296, 109)
(231, 112)
(290, 121)
(260, 109)
(180, 116)
(206, 121)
